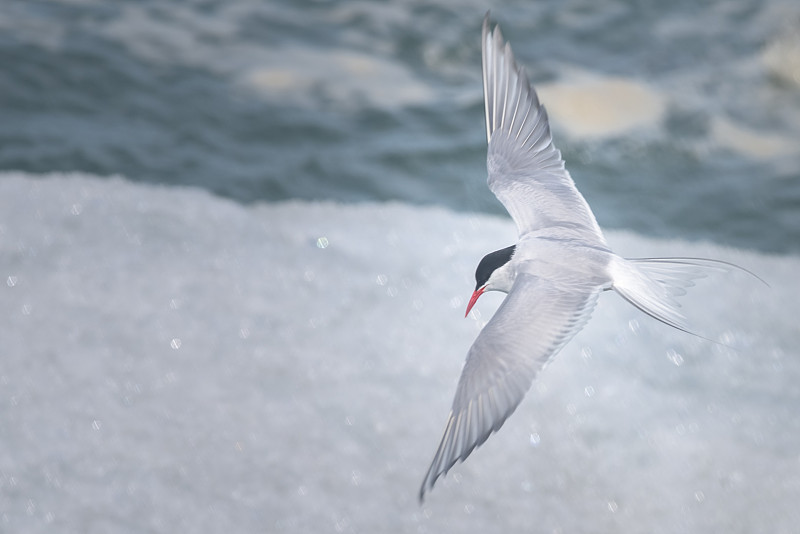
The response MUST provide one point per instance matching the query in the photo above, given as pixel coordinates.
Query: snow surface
(176, 362)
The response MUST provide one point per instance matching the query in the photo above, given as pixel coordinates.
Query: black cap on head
(490, 263)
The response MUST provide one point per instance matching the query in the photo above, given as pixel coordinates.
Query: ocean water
(678, 120)
(237, 239)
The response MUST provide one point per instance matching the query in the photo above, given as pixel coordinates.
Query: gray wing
(534, 321)
(526, 172)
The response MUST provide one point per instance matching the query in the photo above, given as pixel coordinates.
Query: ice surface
(175, 362)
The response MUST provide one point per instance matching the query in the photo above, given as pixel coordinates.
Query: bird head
(493, 274)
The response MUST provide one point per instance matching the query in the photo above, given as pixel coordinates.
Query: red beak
(477, 293)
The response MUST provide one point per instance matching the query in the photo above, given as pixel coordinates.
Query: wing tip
(453, 448)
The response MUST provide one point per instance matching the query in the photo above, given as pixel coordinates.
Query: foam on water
(174, 362)
(594, 106)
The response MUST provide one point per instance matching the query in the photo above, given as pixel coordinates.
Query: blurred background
(681, 119)
(237, 238)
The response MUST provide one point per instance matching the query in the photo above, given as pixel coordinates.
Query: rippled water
(675, 119)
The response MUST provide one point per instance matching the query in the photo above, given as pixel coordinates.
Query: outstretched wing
(526, 171)
(534, 321)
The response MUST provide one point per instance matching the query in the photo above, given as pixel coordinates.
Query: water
(243, 311)
(177, 362)
(358, 101)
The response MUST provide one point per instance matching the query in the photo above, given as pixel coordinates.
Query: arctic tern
(552, 276)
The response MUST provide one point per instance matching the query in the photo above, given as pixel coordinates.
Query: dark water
(361, 101)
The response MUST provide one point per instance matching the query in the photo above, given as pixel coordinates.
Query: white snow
(175, 362)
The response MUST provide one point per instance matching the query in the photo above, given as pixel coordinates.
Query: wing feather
(531, 325)
(526, 172)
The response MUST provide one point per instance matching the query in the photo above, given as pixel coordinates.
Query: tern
(552, 276)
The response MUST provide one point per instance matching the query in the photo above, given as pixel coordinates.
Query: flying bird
(553, 275)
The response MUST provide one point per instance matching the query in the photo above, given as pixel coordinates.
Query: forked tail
(652, 284)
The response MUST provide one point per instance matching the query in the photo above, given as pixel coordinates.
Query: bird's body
(553, 275)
